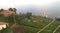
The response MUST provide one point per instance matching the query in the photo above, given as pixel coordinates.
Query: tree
(28, 15)
(1, 10)
(1, 15)
(13, 14)
(10, 9)
(14, 9)
(57, 18)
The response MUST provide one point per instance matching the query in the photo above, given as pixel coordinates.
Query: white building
(3, 25)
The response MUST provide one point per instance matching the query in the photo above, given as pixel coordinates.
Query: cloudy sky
(13, 3)
(51, 7)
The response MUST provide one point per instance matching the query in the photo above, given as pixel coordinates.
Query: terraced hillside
(58, 30)
(40, 25)
(36, 24)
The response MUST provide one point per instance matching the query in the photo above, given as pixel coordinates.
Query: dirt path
(18, 28)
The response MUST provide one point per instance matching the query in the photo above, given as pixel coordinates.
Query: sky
(13, 3)
(51, 7)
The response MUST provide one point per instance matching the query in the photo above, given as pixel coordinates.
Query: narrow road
(46, 26)
(56, 29)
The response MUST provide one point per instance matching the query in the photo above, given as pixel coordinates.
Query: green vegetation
(58, 30)
(32, 23)
(52, 27)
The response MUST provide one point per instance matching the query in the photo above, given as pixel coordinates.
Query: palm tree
(13, 14)
(10, 9)
(1, 10)
(14, 9)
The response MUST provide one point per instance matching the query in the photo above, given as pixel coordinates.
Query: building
(43, 14)
(3, 25)
(6, 12)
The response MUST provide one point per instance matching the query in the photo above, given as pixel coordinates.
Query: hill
(40, 25)
(34, 24)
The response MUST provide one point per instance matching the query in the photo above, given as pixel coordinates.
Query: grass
(58, 30)
(30, 29)
(36, 23)
(39, 24)
(52, 27)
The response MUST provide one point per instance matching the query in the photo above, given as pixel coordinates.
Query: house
(43, 14)
(3, 25)
(6, 12)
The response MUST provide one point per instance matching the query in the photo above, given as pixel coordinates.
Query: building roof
(7, 12)
(42, 14)
(2, 23)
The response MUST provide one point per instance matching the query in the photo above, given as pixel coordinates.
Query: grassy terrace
(28, 23)
(58, 30)
(28, 29)
(51, 28)
(34, 27)
(37, 24)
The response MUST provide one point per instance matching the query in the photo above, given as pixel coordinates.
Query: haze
(50, 7)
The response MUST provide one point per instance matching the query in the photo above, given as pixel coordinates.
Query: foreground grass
(49, 29)
(28, 29)
(58, 30)
(34, 27)
(52, 27)
(36, 23)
